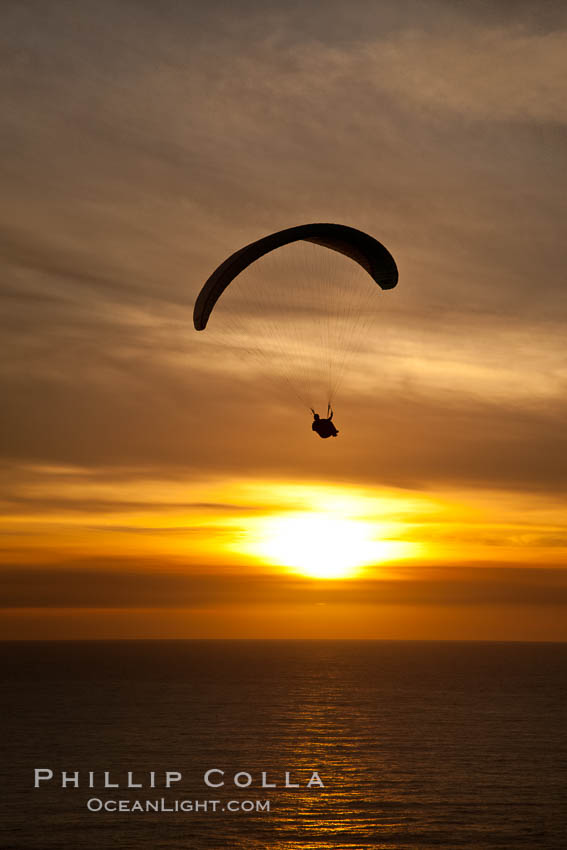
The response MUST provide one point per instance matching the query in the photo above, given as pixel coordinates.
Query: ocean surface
(418, 744)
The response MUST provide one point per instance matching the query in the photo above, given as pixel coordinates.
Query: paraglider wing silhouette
(359, 246)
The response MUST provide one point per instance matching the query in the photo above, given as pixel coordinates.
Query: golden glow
(250, 525)
(322, 545)
(250, 529)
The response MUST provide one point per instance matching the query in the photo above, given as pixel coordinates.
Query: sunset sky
(154, 483)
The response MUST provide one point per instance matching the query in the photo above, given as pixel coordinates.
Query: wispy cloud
(111, 585)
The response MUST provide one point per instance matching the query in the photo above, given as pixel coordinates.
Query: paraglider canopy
(298, 305)
(355, 244)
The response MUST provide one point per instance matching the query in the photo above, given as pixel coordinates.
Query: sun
(320, 545)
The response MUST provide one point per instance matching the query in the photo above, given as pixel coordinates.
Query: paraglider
(306, 323)
(324, 427)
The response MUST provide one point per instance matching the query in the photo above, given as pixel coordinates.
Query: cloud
(133, 164)
(121, 585)
(495, 74)
(166, 425)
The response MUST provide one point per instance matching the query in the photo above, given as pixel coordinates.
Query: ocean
(411, 745)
